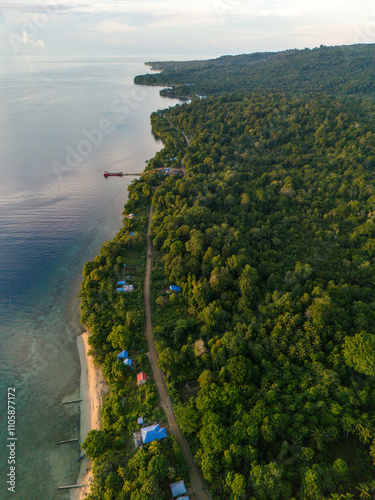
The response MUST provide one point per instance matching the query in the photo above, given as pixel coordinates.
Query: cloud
(296, 9)
(161, 26)
(31, 41)
(52, 6)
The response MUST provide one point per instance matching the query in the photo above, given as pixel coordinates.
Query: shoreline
(93, 389)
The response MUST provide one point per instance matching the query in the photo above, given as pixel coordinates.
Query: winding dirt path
(197, 482)
(188, 141)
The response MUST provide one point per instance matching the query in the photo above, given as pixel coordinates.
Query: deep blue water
(56, 210)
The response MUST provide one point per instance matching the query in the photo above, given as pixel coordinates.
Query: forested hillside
(269, 349)
(271, 237)
(347, 69)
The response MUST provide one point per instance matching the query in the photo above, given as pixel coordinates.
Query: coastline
(93, 389)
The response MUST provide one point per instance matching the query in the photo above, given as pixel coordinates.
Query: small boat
(81, 457)
(112, 174)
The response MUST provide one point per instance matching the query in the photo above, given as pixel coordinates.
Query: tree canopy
(346, 69)
(269, 349)
(269, 237)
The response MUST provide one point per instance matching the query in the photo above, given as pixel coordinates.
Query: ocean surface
(61, 125)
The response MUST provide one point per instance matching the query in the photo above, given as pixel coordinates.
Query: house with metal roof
(153, 432)
(141, 378)
(123, 354)
(178, 488)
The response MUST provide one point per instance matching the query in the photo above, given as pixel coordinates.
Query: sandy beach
(93, 388)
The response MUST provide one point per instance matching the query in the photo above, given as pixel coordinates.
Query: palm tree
(150, 486)
(171, 473)
(364, 434)
(218, 486)
(358, 427)
(192, 311)
(127, 486)
(364, 491)
(154, 447)
(160, 300)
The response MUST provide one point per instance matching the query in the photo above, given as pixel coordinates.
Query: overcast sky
(162, 29)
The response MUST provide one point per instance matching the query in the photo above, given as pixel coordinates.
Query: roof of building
(137, 438)
(123, 354)
(175, 288)
(128, 362)
(178, 488)
(141, 376)
(153, 432)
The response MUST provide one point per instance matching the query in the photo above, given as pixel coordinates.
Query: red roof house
(142, 378)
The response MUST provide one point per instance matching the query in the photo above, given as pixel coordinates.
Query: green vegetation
(269, 236)
(269, 350)
(347, 69)
(116, 322)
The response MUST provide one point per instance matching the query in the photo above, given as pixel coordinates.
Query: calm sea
(61, 125)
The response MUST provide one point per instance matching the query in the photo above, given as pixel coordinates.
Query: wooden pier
(67, 441)
(70, 402)
(71, 487)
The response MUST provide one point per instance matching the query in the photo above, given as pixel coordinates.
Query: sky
(166, 29)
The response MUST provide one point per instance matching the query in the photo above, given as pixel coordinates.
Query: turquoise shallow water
(56, 210)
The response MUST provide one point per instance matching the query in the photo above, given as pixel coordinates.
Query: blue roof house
(175, 288)
(123, 354)
(128, 362)
(178, 488)
(153, 432)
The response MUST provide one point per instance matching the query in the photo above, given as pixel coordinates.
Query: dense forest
(347, 69)
(269, 349)
(270, 236)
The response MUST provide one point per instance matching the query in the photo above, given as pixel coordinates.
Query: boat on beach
(112, 174)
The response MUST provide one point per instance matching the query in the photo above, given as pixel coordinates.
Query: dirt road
(197, 482)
